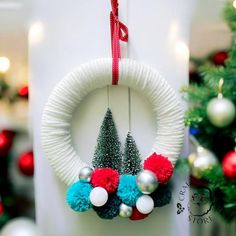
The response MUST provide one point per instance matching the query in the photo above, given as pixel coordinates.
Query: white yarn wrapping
(57, 115)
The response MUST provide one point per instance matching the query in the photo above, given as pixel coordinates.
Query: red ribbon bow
(118, 32)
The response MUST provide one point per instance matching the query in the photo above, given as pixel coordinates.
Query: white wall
(77, 31)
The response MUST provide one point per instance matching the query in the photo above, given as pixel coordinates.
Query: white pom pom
(145, 204)
(98, 196)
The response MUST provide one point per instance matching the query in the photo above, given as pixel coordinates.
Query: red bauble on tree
(6, 140)
(229, 165)
(1, 208)
(23, 92)
(219, 58)
(9, 134)
(26, 163)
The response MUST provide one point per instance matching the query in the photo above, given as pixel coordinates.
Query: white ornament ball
(145, 204)
(20, 227)
(85, 173)
(221, 112)
(204, 160)
(125, 211)
(98, 196)
(146, 182)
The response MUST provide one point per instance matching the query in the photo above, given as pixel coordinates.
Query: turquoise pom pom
(78, 196)
(127, 190)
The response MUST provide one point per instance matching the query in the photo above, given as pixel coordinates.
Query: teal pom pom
(161, 196)
(110, 209)
(127, 190)
(78, 196)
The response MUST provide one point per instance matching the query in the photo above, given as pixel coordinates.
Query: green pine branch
(218, 140)
(224, 192)
(229, 15)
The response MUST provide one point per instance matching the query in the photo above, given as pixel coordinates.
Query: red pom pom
(229, 165)
(106, 178)
(136, 215)
(160, 166)
(26, 163)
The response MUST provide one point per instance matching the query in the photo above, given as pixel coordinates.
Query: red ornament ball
(229, 165)
(8, 133)
(197, 182)
(1, 209)
(219, 58)
(160, 166)
(136, 215)
(23, 92)
(6, 140)
(106, 178)
(26, 163)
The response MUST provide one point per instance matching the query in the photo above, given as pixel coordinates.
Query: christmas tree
(13, 201)
(6, 193)
(108, 149)
(132, 162)
(218, 139)
(211, 118)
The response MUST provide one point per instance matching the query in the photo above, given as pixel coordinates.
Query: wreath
(103, 189)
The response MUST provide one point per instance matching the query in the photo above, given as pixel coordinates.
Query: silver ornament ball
(204, 160)
(221, 112)
(85, 173)
(125, 211)
(146, 181)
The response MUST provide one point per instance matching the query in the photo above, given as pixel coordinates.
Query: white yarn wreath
(57, 115)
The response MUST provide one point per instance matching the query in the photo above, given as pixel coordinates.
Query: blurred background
(16, 156)
(211, 39)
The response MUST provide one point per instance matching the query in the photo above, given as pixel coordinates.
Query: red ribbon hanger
(118, 32)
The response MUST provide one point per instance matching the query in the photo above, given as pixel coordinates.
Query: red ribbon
(118, 32)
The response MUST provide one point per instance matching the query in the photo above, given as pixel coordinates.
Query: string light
(36, 33)
(234, 3)
(182, 50)
(4, 64)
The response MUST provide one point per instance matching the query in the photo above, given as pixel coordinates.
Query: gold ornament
(221, 111)
(201, 161)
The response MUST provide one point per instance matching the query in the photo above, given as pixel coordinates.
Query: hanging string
(118, 32)
(129, 104)
(108, 96)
